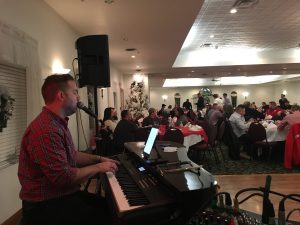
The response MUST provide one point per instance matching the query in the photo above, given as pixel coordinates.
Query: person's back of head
(295, 108)
(53, 84)
(151, 111)
(272, 104)
(240, 108)
(163, 105)
(225, 95)
(215, 105)
(107, 114)
(124, 114)
(215, 95)
(247, 104)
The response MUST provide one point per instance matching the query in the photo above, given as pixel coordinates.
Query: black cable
(250, 196)
(245, 190)
(281, 209)
(262, 190)
(290, 213)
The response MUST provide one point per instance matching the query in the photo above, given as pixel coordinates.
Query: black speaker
(93, 61)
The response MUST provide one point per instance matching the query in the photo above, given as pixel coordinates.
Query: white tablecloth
(191, 140)
(273, 134)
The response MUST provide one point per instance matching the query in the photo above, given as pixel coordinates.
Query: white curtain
(16, 47)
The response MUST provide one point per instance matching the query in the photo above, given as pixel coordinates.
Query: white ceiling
(257, 40)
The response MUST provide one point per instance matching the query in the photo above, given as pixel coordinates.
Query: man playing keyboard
(51, 170)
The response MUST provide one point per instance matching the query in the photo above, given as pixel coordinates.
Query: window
(13, 83)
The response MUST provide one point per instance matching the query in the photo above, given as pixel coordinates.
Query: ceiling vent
(206, 45)
(244, 4)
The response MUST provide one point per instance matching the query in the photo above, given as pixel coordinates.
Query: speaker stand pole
(98, 139)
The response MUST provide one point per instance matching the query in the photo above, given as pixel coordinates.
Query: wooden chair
(203, 147)
(204, 124)
(175, 135)
(220, 133)
(257, 134)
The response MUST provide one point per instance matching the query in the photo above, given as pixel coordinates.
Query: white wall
(55, 41)
(257, 93)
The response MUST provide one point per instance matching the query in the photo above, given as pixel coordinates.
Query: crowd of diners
(283, 114)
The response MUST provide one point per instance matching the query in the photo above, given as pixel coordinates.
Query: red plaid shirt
(47, 159)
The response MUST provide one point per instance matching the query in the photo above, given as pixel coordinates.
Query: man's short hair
(247, 104)
(151, 110)
(163, 105)
(53, 84)
(224, 94)
(295, 107)
(239, 107)
(124, 113)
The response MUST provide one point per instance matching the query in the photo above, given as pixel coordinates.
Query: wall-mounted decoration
(6, 106)
(233, 98)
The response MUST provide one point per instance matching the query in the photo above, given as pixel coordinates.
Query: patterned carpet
(227, 166)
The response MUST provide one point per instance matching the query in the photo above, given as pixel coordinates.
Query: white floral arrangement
(6, 106)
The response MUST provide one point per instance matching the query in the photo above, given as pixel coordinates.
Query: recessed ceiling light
(233, 10)
(270, 71)
(130, 49)
(137, 66)
(192, 71)
(133, 56)
(284, 68)
(108, 1)
(211, 36)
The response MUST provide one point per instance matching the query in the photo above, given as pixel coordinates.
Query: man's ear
(60, 96)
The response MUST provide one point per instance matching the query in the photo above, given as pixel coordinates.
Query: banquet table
(192, 135)
(273, 134)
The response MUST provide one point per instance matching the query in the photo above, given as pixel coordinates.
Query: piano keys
(140, 195)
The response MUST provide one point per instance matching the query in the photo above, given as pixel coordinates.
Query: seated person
(125, 130)
(216, 115)
(180, 119)
(251, 112)
(227, 110)
(263, 108)
(290, 119)
(210, 110)
(51, 169)
(162, 110)
(274, 111)
(152, 119)
(240, 127)
(110, 118)
(138, 120)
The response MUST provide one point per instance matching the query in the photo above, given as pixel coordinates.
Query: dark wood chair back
(175, 135)
(257, 132)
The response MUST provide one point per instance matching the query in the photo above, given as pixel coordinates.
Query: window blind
(13, 79)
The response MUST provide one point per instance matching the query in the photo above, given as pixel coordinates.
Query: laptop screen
(150, 140)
